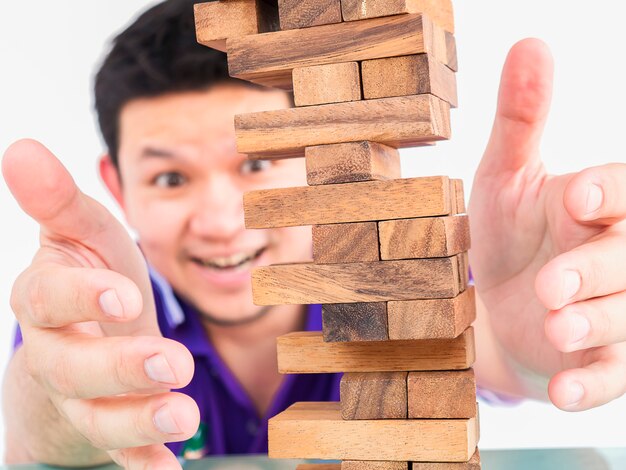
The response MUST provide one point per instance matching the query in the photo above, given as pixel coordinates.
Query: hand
(549, 252)
(87, 314)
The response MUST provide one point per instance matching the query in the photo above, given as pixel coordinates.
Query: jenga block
(323, 84)
(268, 59)
(448, 394)
(308, 283)
(427, 237)
(398, 122)
(440, 11)
(321, 433)
(451, 60)
(307, 353)
(345, 243)
(342, 203)
(431, 319)
(219, 20)
(377, 395)
(459, 196)
(373, 465)
(472, 464)
(355, 322)
(351, 162)
(295, 14)
(408, 75)
(463, 260)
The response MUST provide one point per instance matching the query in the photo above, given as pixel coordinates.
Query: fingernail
(159, 370)
(580, 328)
(110, 304)
(164, 421)
(571, 285)
(574, 395)
(595, 196)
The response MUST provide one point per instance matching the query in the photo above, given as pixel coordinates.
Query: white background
(48, 51)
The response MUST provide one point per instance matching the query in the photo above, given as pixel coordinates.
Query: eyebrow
(152, 152)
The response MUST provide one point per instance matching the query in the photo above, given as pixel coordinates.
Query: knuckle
(37, 301)
(61, 378)
(89, 426)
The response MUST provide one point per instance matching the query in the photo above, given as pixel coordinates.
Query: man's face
(182, 186)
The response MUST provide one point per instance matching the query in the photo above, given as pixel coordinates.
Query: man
(90, 381)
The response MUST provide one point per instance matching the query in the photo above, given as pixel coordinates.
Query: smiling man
(111, 325)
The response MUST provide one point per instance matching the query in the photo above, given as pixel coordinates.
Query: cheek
(293, 243)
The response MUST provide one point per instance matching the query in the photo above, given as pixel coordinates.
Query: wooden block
(451, 60)
(341, 203)
(431, 319)
(463, 271)
(472, 464)
(219, 20)
(398, 122)
(307, 353)
(426, 237)
(295, 14)
(459, 196)
(351, 162)
(345, 243)
(447, 394)
(377, 395)
(440, 11)
(323, 84)
(316, 430)
(308, 283)
(408, 75)
(355, 322)
(268, 59)
(373, 465)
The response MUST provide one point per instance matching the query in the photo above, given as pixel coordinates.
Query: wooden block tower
(390, 254)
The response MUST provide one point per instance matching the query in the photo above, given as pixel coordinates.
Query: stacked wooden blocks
(389, 255)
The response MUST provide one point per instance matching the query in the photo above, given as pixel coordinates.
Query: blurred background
(49, 50)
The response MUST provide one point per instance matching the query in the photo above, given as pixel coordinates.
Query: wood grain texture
(451, 60)
(440, 11)
(426, 237)
(307, 353)
(355, 322)
(268, 59)
(342, 203)
(448, 394)
(408, 75)
(458, 194)
(308, 283)
(219, 20)
(345, 243)
(351, 162)
(324, 84)
(373, 465)
(374, 395)
(432, 319)
(398, 122)
(316, 430)
(472, 464)
(296, 14)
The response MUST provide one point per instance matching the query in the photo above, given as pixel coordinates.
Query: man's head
(166, 107)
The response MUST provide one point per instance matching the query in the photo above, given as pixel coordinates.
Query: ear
(112, 179)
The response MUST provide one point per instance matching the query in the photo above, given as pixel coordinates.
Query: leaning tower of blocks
(389, 254)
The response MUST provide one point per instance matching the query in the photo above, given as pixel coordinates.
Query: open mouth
(234, 262)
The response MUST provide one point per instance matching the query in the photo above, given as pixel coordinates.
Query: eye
(255, 166)
(170, 179)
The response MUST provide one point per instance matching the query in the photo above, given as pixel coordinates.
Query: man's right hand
(86, 310)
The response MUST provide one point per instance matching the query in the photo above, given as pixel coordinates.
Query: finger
(41, 296)
(47, 192)
(133, 421)
(523, 105)
(590, 386)
(598, 194)
(588, 324)
(591, 270)
(155, 457)
(79, 366)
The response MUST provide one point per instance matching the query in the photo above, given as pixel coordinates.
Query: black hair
(157, 54)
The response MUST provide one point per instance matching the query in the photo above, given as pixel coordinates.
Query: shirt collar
(173, 312)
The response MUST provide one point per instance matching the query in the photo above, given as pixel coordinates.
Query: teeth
(234, 260)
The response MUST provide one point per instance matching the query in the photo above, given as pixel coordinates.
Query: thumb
(46, 191)
(523, 105)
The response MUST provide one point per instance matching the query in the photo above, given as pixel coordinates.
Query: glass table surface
(518, 459)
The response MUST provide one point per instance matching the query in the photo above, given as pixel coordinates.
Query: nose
(218, 211)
